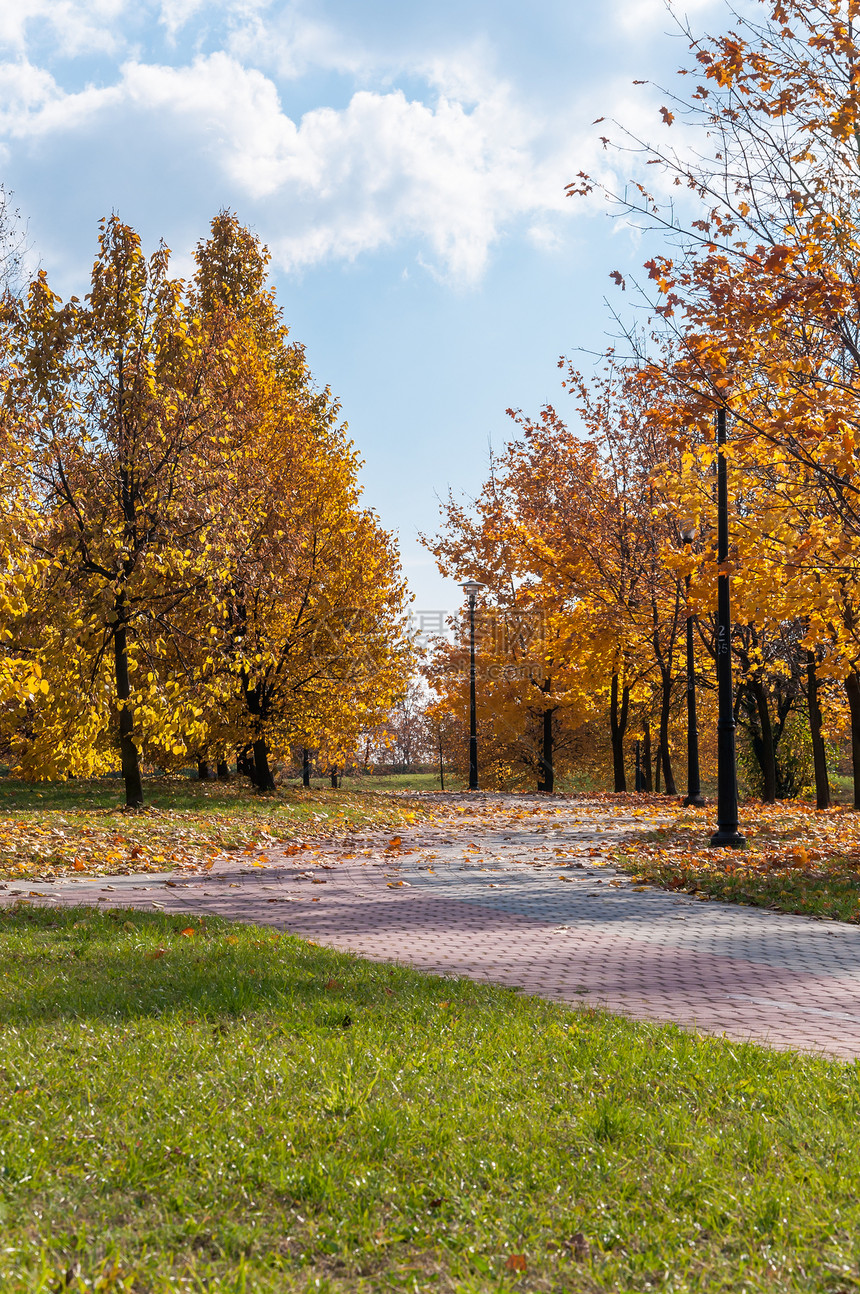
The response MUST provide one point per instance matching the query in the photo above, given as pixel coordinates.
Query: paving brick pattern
(529, 901)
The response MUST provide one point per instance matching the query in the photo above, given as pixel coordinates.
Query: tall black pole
(694, 790)
(639, 782)
(726, 835)
(441, 764)
(473, 712)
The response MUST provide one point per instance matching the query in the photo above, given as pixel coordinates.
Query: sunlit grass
(227, 1110)
(51, 828)
(796, 860)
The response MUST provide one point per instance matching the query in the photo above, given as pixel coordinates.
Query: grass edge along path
(190, 1104)
(797, 860)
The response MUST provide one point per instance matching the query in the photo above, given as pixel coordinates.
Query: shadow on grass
(81, 963)
(187, 793)
(106, 793)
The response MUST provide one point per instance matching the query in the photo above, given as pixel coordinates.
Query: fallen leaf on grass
(515, 1263)
(187, 932)
(158, 952)
(333, 984)
(580, 1247)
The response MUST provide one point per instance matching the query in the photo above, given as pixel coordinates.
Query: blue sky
(406, 164)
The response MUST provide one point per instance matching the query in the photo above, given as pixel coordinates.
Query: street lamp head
(472, 588)
(687, 527)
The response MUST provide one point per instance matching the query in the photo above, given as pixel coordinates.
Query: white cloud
(33, 105)
(338, 182)
(639, 18)
(75, 26)
(383, 168)
(291, 42)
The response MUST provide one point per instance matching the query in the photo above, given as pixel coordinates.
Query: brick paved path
(523, 896)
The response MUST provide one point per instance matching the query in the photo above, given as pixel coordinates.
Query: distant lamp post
(726, 835)
(694, 791)
(472, 588)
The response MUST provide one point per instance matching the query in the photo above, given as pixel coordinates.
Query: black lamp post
(726, 835)
(694, 791)
(472, 588)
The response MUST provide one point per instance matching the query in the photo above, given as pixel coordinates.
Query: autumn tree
(310, 619)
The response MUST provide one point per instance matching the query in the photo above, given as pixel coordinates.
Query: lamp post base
(731, 839)
(694, 801)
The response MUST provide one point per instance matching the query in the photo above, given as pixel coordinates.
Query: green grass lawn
(228, 1110)
(46, 829)
(796, 859)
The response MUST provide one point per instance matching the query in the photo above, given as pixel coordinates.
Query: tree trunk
(665, 702)
(129, 757)
(658, 768)
(819, 753)
(223, 771)
(245, 764)
(306, 767)
(334, 777)
(547, 782)
(852, 689)
(263, 774)
(617, 728)
(648, 784)
(765, 748)
(204, 772)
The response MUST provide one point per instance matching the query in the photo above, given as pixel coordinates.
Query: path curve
(518, 890)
